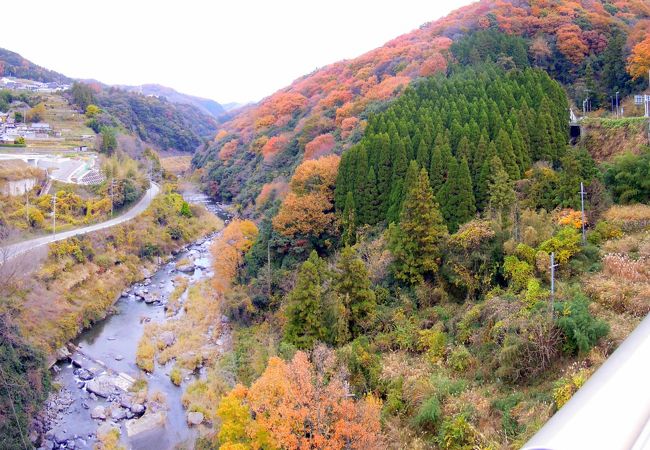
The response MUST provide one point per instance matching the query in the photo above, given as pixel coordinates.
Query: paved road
(22, 247)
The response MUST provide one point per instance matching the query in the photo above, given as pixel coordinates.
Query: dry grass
(177, 164)
(629, 217)
(16, 169)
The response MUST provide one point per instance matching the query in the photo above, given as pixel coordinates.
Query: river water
(109, 347)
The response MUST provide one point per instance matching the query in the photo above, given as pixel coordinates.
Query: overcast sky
(236, 50)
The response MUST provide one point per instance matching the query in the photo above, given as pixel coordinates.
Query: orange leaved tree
(228, 251)
(638, 63)
(299, 404)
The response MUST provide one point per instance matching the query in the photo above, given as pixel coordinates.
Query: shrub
(429, 414)
(433, 343)
(460, 359)
(176, 376)
(567, 386)
(581, 330)
(627, 177)
(517, 271)
(457, 433)
(145, 353)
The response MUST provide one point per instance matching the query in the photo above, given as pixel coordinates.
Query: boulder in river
(194, 418)
(118, 414)
(63, 354)
(148, 422)
(101, 386)
(137, 408)
(84, 374)
(98, 412)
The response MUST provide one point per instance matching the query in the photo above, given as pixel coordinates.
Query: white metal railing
(612, 410)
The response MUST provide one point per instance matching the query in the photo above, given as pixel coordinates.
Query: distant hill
(206, 105)
(14, 65)
(584, 44)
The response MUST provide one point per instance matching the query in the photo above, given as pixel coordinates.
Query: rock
(60, 437)
(137, 408)
(63, 354)
(80, 384)
(84, 405)
(84, 374)
(92, 396)
(125, 403)
(194, 418)
(119, 357)
(47, 445)
(111, 338)
(99, 412)
(168, 338)
(76, 363)
(118, 414)
(148, 422)
(101, 386)
(129, 414)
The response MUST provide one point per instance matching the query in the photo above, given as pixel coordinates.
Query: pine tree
(437, 170)
(348, 221)
(456, 196)
(506, 154)
(372, 206)
(305, 319)
(361, 186)
(423, 154)
(483, 188)
(416, 241)
(353, 291)
(501, 191)
(384, 175)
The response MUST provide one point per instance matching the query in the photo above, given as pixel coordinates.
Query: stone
(81, 384)
(101, 386)
(125, 402)
(84, 374)
(60, 437)
(119, 357)
(118, 414)
(137, 408)
(84, 405)
(92, 396)
(76, 363)
(98, 412)
(167, 338)
(48, 445)
(194, 418)
(148, 422)
(63, 354)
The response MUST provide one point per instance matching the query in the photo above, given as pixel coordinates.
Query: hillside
(155, 120)
(14, 65)
(206, 106)
(580, 43)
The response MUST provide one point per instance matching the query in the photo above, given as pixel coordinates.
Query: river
(107, 352)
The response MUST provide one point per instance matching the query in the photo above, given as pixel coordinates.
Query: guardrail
(612, 410)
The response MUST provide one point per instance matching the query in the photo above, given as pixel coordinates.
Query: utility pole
(54, 215)
(112, 188)
(617, 108)
(553, 266)
(582, 208)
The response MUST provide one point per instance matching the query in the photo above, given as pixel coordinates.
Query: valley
(438, 244)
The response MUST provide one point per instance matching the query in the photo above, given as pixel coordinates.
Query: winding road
(18, 248)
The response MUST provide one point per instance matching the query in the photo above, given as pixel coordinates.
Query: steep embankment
(326, 111)
(606, 138)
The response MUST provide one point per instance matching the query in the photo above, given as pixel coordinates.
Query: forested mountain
(583, 44)
(14, 65)
(206, 105)
(167, 125)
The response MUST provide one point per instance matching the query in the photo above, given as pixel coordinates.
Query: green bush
(457, 433)
(628, 177)
(429, 414)
(460, 359)
(518, 272)
(581, 330)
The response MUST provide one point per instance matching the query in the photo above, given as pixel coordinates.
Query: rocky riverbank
(100, 388)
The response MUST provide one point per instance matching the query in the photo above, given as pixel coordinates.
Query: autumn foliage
(639, 61)
(228, 251)
(308, 209)
(319, 146)
(298, 405)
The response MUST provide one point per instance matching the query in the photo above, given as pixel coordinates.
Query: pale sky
(238, 50)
